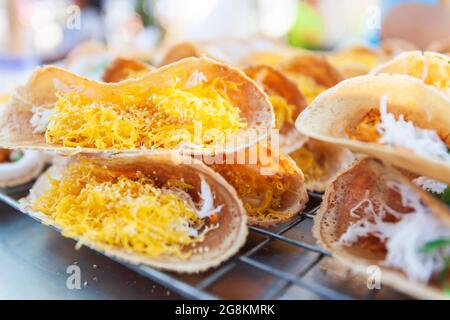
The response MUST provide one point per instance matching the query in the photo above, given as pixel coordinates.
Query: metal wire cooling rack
(276, 263)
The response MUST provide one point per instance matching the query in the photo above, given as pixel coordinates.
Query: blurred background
(42, 31)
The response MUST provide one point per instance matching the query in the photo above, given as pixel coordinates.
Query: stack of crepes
(151, 167)
(390, 208)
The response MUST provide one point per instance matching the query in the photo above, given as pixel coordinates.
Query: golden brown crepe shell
(333, 219)
(312, 65)
(343, 106)
(431, 67)
(350, 61)
(268, 162)
(273, 81)
(180, 51)
(222, 242)
(122, 68)
(441, 46)
(17, 132)
(335, 159)
(391, 47)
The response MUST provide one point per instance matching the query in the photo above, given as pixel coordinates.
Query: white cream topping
(40, 118)
(195, 79)
(207, 209)
(401, 133)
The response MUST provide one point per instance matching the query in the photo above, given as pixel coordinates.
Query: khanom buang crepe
(287, 103)
(269, 183)
(396, 118)
(431, 67)
(18, 167)
(162, 210)
(196, 105)
(356, 60)
(229, 50)
(321, 162)
(122, 68)
(286, 99)
(279, 195)
(374, 215)
(312, 73)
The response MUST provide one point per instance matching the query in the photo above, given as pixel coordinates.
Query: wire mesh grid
(282, 262)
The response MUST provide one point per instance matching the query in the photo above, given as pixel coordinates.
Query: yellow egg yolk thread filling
(153, 118)
(116, 211)
(307, 86)
(262, 195)
(312, 169)
(283, 111)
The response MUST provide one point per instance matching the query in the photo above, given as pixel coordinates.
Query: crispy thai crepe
(287, 103)
(392, 47)
(269, 183)
(312, 73)
(356, 60)
(373, 215)
(19, 167)
(396, 118)
(431, 67)
(122, 68)
(179, 51)
(229, 50)
(321, 162)
(196, 105)
(162, 210)
(441, 46)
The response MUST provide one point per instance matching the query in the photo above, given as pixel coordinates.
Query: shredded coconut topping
(430, 185)
(403, 238)
(402, 133)
(195, 79)
(206, 195)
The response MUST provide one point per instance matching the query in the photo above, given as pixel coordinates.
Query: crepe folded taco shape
(196, 106)
(287, 103)
(122, 68)
(162, 210)
(374, 215)
(396, 118)
(431, 67)
(312, 72)
(356, 60)
(269, 183)
(392, 47)
(18, 167)
(321, 162)
(228, 50)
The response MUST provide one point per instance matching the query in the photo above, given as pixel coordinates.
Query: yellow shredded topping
(307, 86)
(121, 211)
(312, 168)
(261, 194)
(154, 118)
(283, 111)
